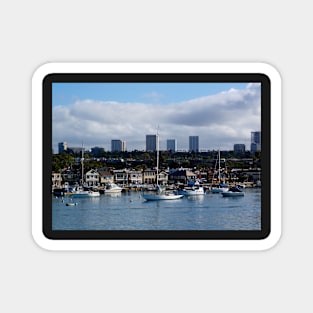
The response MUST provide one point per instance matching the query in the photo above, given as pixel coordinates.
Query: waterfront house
(56, 180)
(134, 177)
(181, 176)
(106, 176)
(92, 178)
(163, 178)
(149, 176)
(121, 177)
(71, 177)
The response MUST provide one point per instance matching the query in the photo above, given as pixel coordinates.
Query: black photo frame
(177, 235)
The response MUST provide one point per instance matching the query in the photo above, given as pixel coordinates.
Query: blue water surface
(129, 211)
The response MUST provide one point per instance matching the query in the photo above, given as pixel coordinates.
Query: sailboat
(221, 187)
(80, 192)
(161, 193)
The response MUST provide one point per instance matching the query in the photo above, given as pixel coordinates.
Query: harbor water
(129, 211)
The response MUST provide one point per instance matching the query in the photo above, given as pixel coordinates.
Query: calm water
(129, 211)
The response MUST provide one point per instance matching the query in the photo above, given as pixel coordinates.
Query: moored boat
(221, 187)
(161, 196)
(85, 193)
(80, 192)
(112, 188)
(71, 204)
(193, 191)
(161, 193)
(233, 192)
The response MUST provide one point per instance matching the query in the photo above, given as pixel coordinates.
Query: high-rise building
(118, 145)
(123, 145)
(97, 151)
(151, 142)
(194, 143)
(239, 147)
(171, 144)
(62, 146)
(255, 141)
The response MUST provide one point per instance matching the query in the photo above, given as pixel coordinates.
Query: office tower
(171, 144)
(97, 151)
(123, 145)
(239, 147)
(62, 146)
(194, 143)
(151, 142)
(118, 145)
(255, 141)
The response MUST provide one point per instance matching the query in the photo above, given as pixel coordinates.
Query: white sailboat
(160, 193)
(80, 192)
(221, 187)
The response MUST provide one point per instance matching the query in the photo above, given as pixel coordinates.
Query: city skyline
(118, 145)
(221, 115)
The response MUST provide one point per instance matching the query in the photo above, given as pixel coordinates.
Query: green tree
(61, 161)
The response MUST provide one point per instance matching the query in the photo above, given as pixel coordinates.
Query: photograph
(156, 156)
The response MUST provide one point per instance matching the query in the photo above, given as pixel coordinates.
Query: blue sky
(221, 114)
(162, 93)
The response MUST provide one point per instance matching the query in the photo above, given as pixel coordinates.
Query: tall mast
(82, 161)
(157, 164)
(219, 166)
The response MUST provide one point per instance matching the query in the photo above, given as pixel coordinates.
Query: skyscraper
(171, 144)
(118, 145)
(151, 142)
(62, 146)
(239, 147)
(255, 141)
(194, 143)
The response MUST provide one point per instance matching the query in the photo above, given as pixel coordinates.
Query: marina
(158, 188)
(130, 211)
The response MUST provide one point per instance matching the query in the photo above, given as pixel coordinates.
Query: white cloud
(219, 120)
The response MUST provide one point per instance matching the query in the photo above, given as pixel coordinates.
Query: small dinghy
(71, 203)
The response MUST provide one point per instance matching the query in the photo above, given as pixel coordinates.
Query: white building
(134, 177)
(92, 178)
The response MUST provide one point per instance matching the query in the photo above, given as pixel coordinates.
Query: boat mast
(219, 166)
(157, 164)
(82, 162)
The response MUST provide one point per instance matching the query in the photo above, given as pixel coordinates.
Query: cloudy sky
(221, 114)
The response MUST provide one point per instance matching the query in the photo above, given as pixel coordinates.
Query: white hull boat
(233, 192)
(71, 204)
(85, 193)
(193, 191)
(112, 188)
(161, 193)
(219, 189)
(80, 192)
(161, 196)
